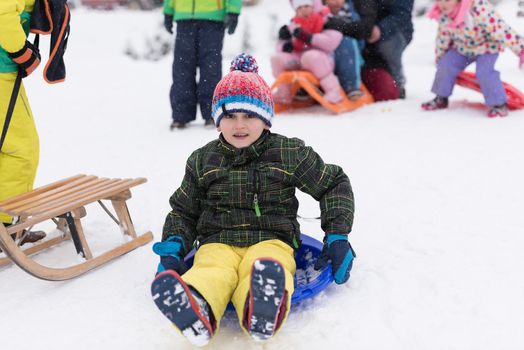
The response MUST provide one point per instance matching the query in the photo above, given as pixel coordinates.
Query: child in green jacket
(237, 200)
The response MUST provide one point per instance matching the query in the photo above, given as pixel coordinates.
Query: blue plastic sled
(308, 282)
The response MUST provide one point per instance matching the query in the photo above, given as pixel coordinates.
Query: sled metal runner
(64, 202)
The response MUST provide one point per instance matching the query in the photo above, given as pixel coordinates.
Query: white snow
(439, 199)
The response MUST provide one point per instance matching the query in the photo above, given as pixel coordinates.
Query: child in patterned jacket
(471, 31)
(237, 199)
(303, 44)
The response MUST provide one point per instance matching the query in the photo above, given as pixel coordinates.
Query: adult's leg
(489, 80)
(380, 84)
(183, 90)
(448, 68)
(20, 151)
(391, 51)
(210, 42)
(272, 249)
(348, 62)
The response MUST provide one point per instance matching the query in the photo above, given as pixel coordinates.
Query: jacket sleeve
(498, 30)
(327, 41)
(330, 186)
(399, 15)
(367, 9)
(233, 6)
(443, 41)
(186, 209)
(12, 35)
(169, 8)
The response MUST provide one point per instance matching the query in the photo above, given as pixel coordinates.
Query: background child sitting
(304, 45)
(471, 31)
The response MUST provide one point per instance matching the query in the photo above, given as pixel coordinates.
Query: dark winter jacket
(393, 16)
(241, 197)
(367, 10)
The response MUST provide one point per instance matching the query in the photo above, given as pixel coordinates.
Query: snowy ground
(439, 198)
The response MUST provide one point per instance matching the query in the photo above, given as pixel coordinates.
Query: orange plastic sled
(308, 82)
(515, 97)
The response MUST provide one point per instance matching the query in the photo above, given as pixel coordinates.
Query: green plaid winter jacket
(242, 197)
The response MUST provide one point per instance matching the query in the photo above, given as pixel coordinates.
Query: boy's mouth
(240, 135)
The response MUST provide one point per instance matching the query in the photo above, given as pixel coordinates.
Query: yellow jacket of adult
(15, 16)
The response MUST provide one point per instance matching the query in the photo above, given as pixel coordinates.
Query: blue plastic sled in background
(308, 282)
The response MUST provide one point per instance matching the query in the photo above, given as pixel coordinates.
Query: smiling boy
(237, 200)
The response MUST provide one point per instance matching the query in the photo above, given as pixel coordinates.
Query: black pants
(199, 44)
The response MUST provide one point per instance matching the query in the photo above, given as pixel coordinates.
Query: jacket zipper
(255, 195)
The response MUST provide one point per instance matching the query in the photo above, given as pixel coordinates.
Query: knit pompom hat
(297, 3)
(243, 90)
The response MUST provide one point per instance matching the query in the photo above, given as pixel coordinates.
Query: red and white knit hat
(243, 90)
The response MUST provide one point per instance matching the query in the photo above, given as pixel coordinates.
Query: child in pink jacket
(471, 31)
(303, 45)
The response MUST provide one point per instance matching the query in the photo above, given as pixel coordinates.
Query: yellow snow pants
(221, 273)
(20, 151)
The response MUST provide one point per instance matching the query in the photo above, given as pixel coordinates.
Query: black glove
(302, 35)
(231, 22)
(336, 23)
(27, 58)
(284, 33)
(287, 47)
(168, 23)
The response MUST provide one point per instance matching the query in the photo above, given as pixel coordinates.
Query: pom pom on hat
(243, 90)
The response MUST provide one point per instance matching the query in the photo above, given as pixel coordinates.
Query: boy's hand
(231, 22)
(27, 58)
(302, 35)
(170, 252)
(337, 250)
(284, 33)
(168, 23)
(375, 35)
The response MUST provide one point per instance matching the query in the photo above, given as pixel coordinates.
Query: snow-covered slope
(439, 200)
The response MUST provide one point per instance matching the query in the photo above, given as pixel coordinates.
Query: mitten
(284, 33)
(337, 250)
(302, 35)
(287, 47)
(171, 255)
(168, 23)
(521, 59)
(335, 23)
(231, 22)
(27, 58)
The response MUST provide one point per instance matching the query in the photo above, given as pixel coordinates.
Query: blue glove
(170, 252)
(168, 23)
(339, 251)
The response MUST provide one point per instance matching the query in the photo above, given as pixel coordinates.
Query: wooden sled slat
(66, 200)
(60, 274)
(307, 81)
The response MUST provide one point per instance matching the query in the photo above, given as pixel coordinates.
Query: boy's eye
(251, 116)
(228, 116)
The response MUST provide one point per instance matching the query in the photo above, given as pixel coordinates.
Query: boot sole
(174, 299)
(266, 295)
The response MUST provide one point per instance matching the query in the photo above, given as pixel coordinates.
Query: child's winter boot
(283, 94)
(437, 103)
(331, 88)
(267, 300)
(498, 111)
(184, 307)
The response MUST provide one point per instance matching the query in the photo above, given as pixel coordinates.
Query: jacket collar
(240, 156)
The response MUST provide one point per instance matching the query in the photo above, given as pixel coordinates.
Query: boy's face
(304, 11)
(241, 129)
(335, 5)
(447, 6)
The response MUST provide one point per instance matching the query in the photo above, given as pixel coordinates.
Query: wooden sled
(63, 202)
(515, 97)
(307, 81)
